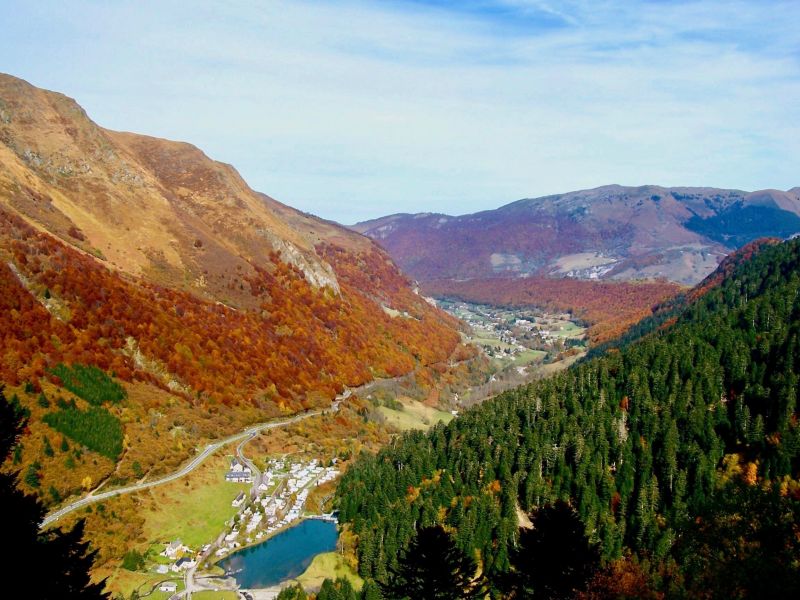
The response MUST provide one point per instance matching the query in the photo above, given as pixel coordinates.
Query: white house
(239, 472)
(168, 586)
(239, 476)
(183, 563)
(174, 549)
(239, 500)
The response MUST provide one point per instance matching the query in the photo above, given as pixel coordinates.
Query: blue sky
(354, 109)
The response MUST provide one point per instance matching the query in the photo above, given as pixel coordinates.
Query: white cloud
(357, 109)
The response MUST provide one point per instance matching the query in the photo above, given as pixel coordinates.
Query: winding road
(245, 435)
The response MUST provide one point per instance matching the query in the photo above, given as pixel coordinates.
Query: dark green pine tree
(371, 591)
(432, 567)
(293, 592)
(553, 559)
(341, 589)
(59, 560)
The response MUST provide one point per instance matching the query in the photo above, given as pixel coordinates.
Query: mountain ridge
(609, 232)
(154, 269)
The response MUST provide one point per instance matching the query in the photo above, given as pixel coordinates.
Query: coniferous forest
(678, 451)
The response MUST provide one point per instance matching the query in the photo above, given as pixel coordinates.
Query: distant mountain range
(611, 232)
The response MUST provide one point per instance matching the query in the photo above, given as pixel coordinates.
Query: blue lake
(282, 557)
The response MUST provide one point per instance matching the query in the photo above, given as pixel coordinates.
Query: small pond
(282, 557)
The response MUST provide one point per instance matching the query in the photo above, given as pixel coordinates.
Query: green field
(195, 513)
(485, 340)
(328, 565)
(569, 330)
(528, 357)
(415, 415)
(125, 582)
(221, 595)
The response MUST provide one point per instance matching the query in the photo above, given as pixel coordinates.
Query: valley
(521, 344)
(208, 393)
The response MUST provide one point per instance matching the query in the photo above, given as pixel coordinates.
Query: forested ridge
(609, 307)
(637, 440)
(62, 306)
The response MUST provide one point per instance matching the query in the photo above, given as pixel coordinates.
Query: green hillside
(639, 440)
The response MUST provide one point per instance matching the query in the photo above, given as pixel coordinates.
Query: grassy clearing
(494, 342)
(528, 357)
(125, 582)
(555, 367)
(569, 330)
(415, 415)
(328, 565)
(194, 508)
(221, 595)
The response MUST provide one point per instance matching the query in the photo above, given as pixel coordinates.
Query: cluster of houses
(239, 472)
(182, 556)
(520, 334)
(278, 500)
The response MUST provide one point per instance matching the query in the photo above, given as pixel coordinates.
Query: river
(282, 557)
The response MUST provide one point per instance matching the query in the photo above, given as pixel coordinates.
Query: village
(275, 501)
(512, 333)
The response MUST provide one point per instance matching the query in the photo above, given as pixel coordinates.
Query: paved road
(192, 582)
(246, 435)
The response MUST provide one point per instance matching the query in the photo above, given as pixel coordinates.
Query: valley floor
(195, 507)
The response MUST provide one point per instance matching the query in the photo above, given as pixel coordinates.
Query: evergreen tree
(59, 560)
(293, 592)
(371, 591)
(32, 474)
(133, 560)
(432, 567)
(341, 589)
(47, 448)
(553, 559)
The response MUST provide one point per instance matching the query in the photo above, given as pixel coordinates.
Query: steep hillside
(210, 304)
(153, 208)
(697, 416)
(611, 232)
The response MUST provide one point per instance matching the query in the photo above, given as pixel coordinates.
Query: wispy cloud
(354, 109)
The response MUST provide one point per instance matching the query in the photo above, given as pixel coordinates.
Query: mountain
(678, 448)
(147, 294)
(611, 232)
